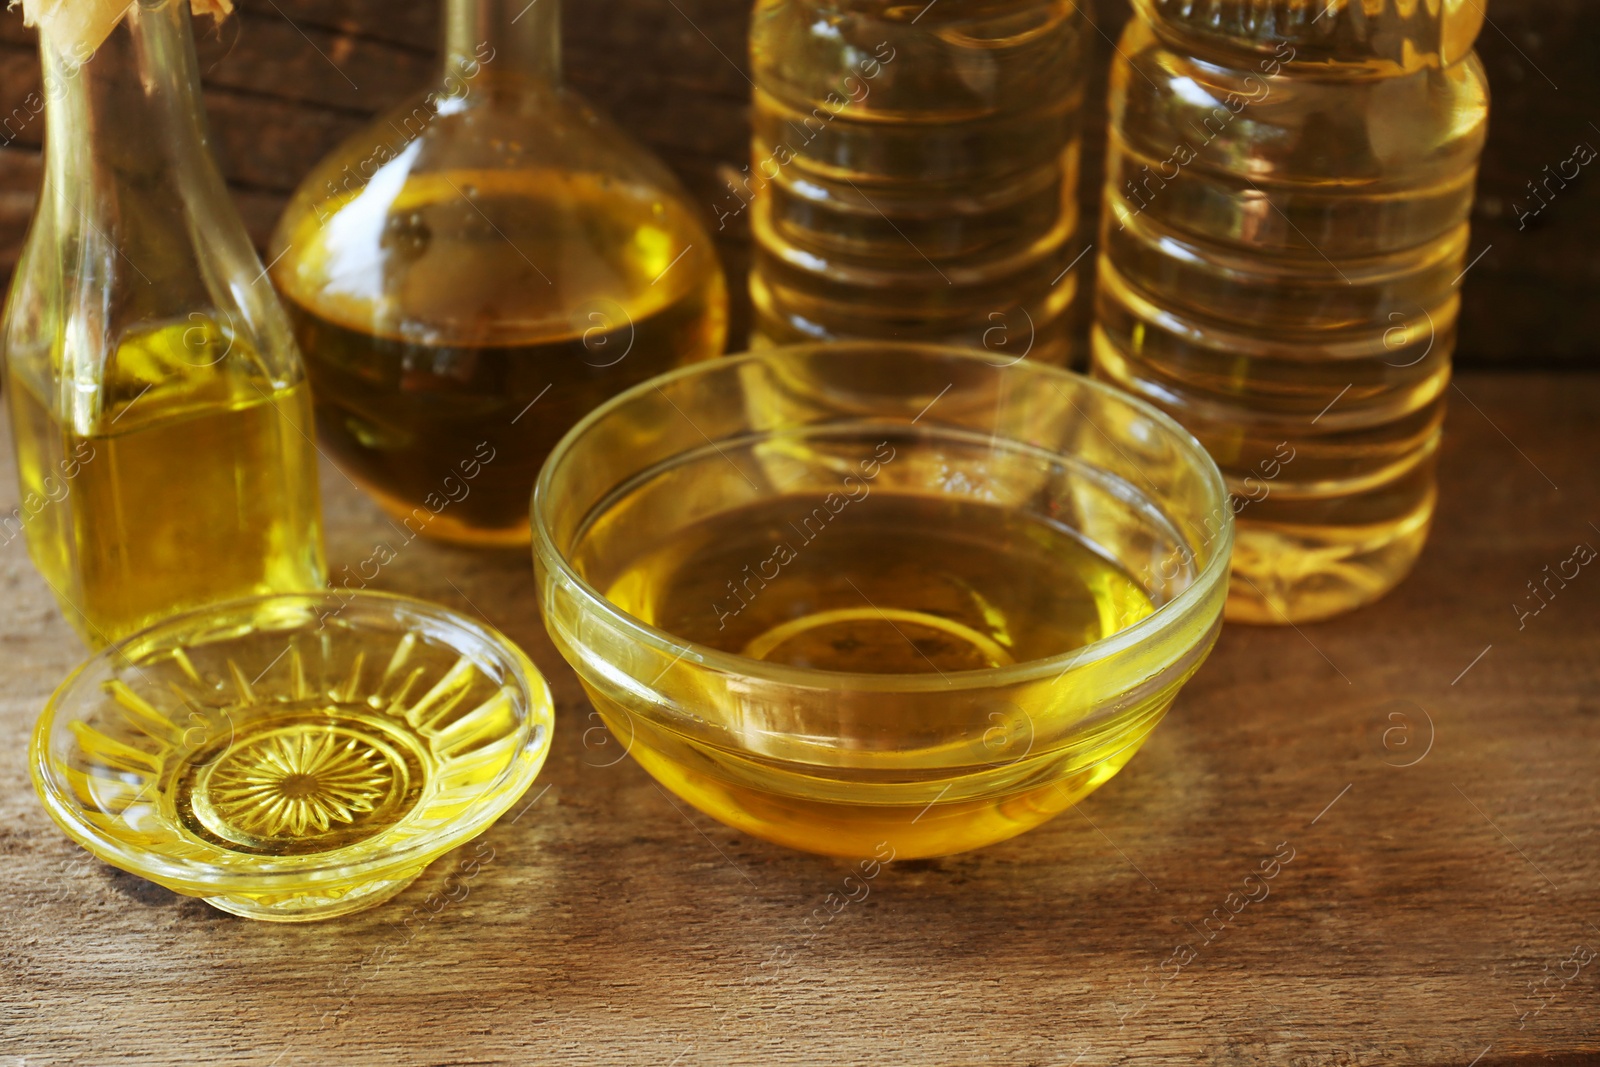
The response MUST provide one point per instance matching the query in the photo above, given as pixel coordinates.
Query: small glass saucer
(295, 756)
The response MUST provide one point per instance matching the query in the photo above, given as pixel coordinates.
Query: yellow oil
(454, 328)
(892, 584)
(913, 173)
(336, 732)
(196, 482)
(313, 778)
(895, 583)
(1284, 234)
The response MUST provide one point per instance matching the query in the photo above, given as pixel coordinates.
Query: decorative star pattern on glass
(287, 784)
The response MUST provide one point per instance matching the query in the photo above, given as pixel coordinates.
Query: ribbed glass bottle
(914, 172)
(1284, 234)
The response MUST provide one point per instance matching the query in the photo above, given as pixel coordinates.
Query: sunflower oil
(1284, 234)
(449, 355)
(914, 173)
(474, 271)
(887, 584)
(196, 483)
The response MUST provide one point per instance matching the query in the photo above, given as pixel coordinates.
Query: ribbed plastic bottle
(1284, 235)
(914, 172)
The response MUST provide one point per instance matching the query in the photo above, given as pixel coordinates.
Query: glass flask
(478, 269)
(1284, 234)
(914, 173)
(160, 411)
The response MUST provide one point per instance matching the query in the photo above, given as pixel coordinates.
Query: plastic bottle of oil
(914, 172)
(1284, 232)
(158, 404)
(485, 264)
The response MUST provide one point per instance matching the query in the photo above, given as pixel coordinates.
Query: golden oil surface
(196, 483)
(890, 584)
(455, 329)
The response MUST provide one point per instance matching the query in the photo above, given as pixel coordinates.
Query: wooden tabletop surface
(1418, 780)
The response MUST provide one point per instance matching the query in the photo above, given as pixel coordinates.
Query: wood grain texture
(1430, 764)
(288, 79)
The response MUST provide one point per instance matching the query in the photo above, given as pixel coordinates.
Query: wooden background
(288, 79)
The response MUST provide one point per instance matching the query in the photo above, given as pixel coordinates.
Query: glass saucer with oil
(851, 596)
(295, 756)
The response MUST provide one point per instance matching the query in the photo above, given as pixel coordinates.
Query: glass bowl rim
(160, 867)
(1163, 618)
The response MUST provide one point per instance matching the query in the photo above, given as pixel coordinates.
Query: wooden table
(1429, 764)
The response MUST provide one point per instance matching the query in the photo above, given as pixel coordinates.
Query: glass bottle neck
(130, 110)
(135, 231)
(508, 38)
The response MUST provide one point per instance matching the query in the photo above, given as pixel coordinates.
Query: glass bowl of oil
(295, 756)
(857, 597)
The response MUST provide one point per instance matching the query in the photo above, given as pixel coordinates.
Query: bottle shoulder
(499, 222)
(1336, 36)
(511, 136)
(131, 288)
(1267, 117)
(877, 59)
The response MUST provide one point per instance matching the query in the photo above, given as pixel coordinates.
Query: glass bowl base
(937, 821)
